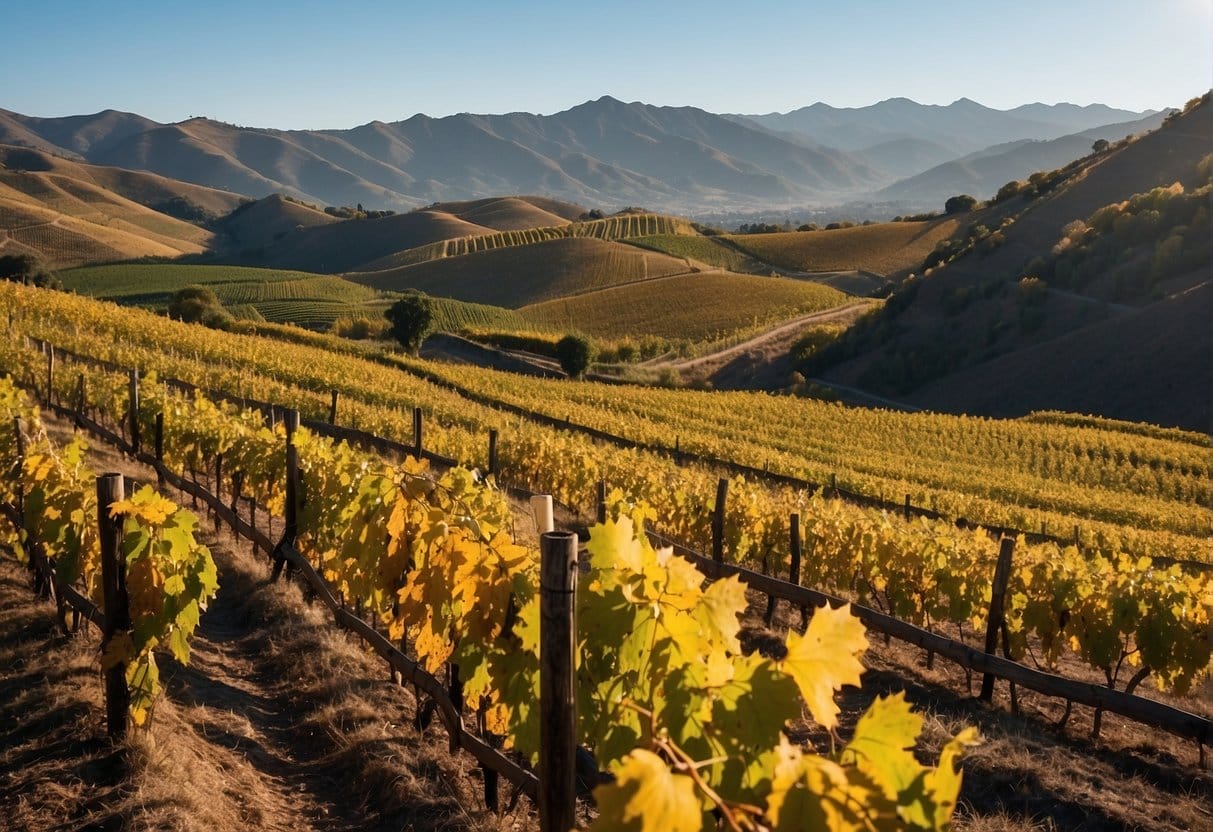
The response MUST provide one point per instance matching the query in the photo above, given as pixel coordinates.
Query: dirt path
(760, 341)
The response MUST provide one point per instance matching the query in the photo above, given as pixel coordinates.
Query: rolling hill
(1144, 358)
(883, 248)
(696, 307)
(515, 276)
(981, 174)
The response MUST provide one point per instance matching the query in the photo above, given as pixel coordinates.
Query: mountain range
(604, 152)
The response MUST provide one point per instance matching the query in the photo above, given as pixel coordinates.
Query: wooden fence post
(291, 529)
(722, 494)
(333, 410)
(601, 501)
(158, 444)
(80, 400)
(493, 451)
(1002, 573)
(110, 489)
(134, 411)
(557, 691)
(417, 432)
(907, 508)
(218, 486)
(793, 570)
(50, 373)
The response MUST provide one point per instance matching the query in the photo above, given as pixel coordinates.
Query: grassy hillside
(63, 241)
(261, 223)
(64, 213)
(302, 298)
(707, 250)
(697, 307)
(519, 275)
(512, 213)
(344, 246)
(884, 248)
(183, 200)
(974, 318)
(610, 228)
(452, 315)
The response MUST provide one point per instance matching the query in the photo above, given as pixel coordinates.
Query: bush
(359, 329)
(411, 319)
(1032, 291)
(27, 269)
(575, 354)
(960, 204)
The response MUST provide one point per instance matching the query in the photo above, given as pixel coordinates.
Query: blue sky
(335, 64)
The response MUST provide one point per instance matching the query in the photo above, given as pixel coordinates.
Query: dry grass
(885, 248)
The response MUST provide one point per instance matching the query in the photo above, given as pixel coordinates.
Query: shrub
(960, 204)
(27, 269)
(575, 354)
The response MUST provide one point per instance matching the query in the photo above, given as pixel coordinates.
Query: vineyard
(885, 248)
(519, 275)
(610, 228)
(938, 572)
(431, 560)
(699, 307)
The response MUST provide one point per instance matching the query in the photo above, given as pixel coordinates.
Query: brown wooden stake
(834, 484)
(50, 373)
(158, 438)
(417, 432)
(907, 508)
(134, 411)
(1002, 573)
(333, 409)
(80, 400)
(218, 486)
(110, 489)
(557, 699)
(493, 451)
(602, 506)
(292, 496)
(237, 487)
(722, 494)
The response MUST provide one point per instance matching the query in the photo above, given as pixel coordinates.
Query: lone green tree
(412, 319)
(575, 354)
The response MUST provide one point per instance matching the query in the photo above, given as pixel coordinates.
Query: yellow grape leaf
(647, 797)
(814, 794)
(718, 611)
(824, 659)
(613, 545)
(881, 746)
(943, 784)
